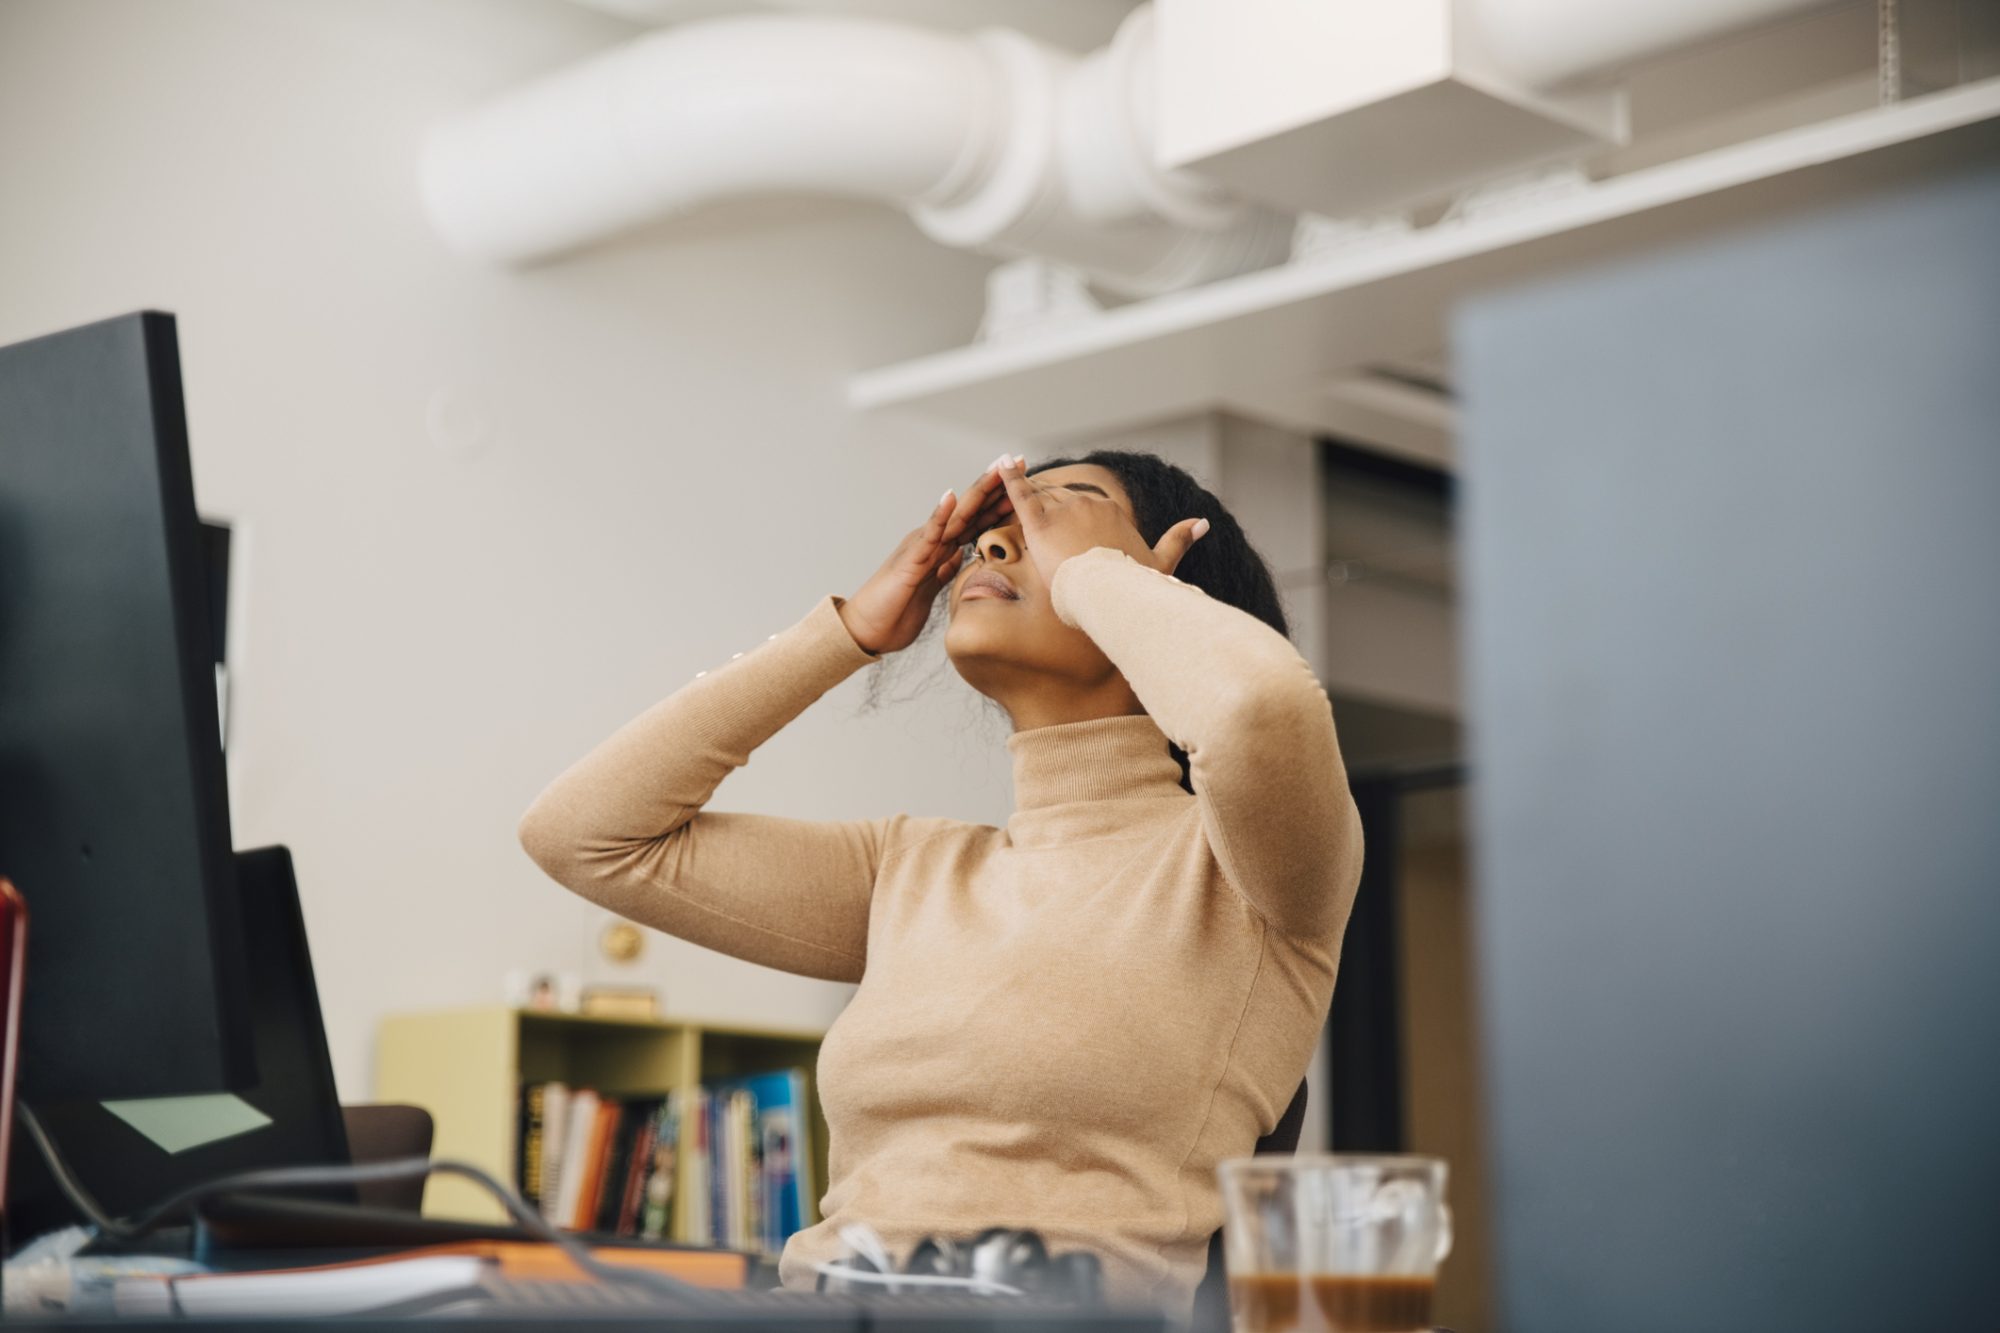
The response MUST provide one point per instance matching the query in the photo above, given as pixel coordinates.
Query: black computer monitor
(289, 1116)
(113, 811)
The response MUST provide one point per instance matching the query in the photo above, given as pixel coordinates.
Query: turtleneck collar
(1072, 780)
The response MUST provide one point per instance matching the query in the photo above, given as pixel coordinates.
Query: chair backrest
(1284, 1136)
(385, 1133)
(1211, 1298)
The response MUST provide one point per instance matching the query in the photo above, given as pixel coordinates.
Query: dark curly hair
(1222, 563)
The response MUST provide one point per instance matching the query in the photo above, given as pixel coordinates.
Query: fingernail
(996, 464)
(1020, 460)
(946, 496)
(1201, 527)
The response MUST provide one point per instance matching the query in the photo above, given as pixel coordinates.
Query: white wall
(648, 463)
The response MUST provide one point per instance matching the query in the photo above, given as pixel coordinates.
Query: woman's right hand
(888, 611)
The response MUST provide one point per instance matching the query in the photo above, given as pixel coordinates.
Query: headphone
(999, 1261)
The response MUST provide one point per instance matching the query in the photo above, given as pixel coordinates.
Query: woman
(1066, 1022)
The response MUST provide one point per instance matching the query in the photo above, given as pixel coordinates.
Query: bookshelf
(467, 1067)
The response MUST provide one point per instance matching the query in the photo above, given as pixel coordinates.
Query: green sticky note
(176, 1124)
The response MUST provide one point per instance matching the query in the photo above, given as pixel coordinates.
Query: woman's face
(1001, 644)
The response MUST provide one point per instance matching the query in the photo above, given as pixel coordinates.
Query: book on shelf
(629, 1121)
(528, 1150)
(632, 1174)
(595, 1162)
(662, 1173)
(573, 1166)
(547, 1185)
(763, 1159)
(731, 1158)
(694, 1145)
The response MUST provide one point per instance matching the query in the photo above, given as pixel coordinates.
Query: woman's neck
(1049, 708)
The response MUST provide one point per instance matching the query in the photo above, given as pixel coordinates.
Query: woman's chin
(977, 634)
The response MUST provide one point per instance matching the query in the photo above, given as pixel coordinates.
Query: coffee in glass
(1334, 1243)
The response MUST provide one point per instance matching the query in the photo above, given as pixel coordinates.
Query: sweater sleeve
(1256, 724)
(624, 826)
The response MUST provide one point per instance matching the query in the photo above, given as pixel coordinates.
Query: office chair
(1211, 1298)
(384, 1133)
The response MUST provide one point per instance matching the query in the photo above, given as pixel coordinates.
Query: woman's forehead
(1088, 474)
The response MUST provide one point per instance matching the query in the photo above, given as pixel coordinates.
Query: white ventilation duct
(993, 141)
(1548, 43)
(1000, 143)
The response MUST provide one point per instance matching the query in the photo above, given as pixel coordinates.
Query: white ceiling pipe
(1075, 180)
(687, 116)
(1108, 160)
(993, 142)
(1548, 43)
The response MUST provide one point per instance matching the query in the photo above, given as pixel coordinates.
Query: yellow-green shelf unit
(467, 1068)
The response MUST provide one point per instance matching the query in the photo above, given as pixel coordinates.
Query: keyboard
(946, 1311)
(498, 1305)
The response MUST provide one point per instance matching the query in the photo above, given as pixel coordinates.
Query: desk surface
(833, 1317)
(538, 1305)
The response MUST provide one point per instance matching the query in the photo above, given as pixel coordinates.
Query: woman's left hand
(1057, 523)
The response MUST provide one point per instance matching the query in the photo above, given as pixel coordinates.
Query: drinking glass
(1333, 1243)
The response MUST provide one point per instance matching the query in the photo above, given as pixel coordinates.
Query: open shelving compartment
(467, 1068)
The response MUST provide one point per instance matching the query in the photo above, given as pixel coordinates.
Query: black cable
(80, 1198)
(298, 1177)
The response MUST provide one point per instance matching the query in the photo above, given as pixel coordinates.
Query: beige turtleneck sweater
(1064, 1022)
